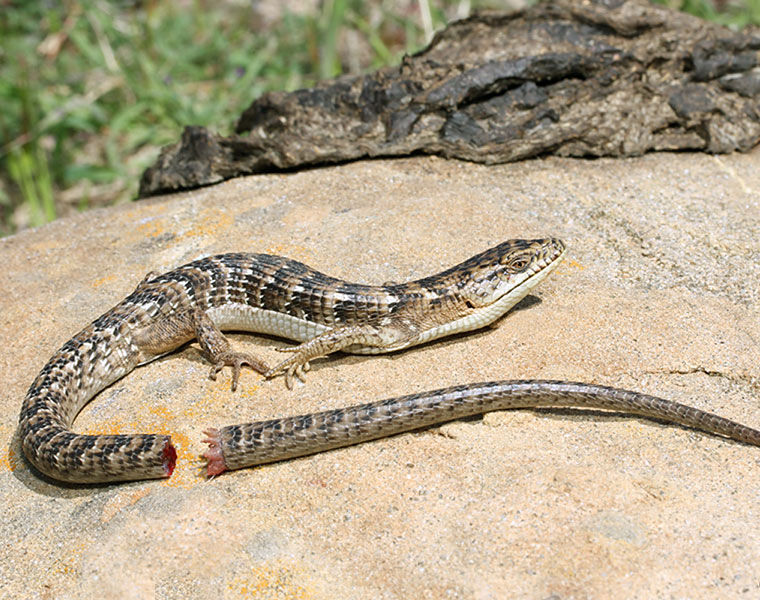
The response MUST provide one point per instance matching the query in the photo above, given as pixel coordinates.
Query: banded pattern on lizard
(275, 295)
(260, 293)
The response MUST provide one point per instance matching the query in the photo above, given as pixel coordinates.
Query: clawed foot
(295, 366)
(236, 360)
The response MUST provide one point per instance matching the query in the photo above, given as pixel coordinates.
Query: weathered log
(590, 78)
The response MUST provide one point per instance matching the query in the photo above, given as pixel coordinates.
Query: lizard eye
(517, 264)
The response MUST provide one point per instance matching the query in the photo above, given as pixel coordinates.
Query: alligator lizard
(275, 295)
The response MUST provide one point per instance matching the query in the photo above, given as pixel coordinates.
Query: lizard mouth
(553, 253)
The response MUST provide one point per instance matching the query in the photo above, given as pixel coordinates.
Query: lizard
(275, 295)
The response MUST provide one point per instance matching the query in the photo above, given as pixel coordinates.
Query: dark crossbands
(275, 295)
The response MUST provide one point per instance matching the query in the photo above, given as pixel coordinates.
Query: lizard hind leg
(170, 332)
(217, 349)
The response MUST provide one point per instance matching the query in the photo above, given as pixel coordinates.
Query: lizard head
(497, 279)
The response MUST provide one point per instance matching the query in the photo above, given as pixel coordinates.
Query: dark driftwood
(572, 78)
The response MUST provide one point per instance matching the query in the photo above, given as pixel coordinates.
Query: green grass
(731, 13)
(91, 91)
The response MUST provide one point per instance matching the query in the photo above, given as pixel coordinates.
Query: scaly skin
(238, 446)
(271, 294)
(253, 292)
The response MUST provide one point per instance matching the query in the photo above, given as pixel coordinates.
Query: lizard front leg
(389, 333)
(168, 333)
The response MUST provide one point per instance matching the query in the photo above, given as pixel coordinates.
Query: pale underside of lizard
(274, 295)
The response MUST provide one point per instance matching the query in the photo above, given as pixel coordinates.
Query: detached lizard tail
(238, 446)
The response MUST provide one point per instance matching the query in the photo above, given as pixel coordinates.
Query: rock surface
(592, 78)
(659, 293)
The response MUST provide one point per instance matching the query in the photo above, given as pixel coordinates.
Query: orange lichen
(572, 264)
(151, 228)
(212, 224)
(107, 279)
(10, 461)
(269, 582)
(68, 562)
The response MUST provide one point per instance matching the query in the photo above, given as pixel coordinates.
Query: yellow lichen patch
(568, 265)
(10, 461)
(103, 280)
(162, 420)
(124, 499)
(571, 264)
(212, 224)
(268, 582)
(148, 226)
(186, 473)
(220, 391)
(151, 228)
(68, 563)
(160, 414)
(113, 427)
(217, 394)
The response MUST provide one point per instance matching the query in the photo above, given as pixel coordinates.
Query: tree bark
(589, 78)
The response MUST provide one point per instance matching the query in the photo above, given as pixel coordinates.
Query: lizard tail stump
(274, 295)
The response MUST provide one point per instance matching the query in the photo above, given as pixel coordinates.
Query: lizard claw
(298, 371)
(292, 368)
(291, 372)
(236, 360)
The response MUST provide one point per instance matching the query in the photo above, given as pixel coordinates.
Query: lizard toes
(289, 349)
(236, 360)
(215, 368)
(288, 380)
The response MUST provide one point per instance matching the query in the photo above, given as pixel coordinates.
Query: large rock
(659, 294)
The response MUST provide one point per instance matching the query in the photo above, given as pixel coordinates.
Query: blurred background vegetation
(91, 89)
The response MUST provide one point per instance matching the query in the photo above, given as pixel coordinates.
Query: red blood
(169, 456)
